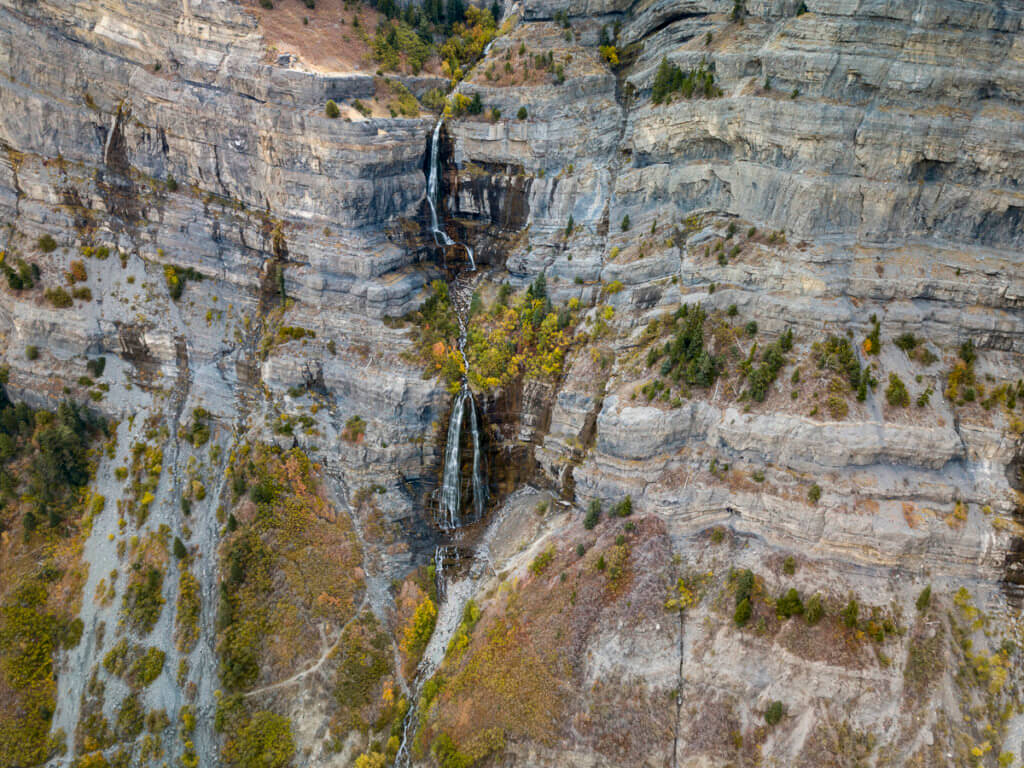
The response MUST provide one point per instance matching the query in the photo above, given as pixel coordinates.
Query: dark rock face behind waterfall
(742, 485)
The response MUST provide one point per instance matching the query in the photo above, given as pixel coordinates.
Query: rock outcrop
(852, 179)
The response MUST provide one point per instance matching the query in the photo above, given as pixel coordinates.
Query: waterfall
(440, 236)
(479, 486)
(450, 516)
(451, 483)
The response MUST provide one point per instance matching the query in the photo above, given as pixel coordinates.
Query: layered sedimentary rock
(857, 177)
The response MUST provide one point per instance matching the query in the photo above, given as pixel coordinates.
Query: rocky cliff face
(745, 274)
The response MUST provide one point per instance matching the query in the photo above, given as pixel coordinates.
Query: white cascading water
(451, 482)
(450, 515)
(440, 236)
(451, 485)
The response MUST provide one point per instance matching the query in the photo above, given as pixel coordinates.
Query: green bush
(624, 508)
(355, 429)
(789, 605)
(143, 599)
(906, 342)
(772, 361)
(46, 244)
(148, 667)
(447, 753)
(331, 109)
(670, 80)
(815, 610)
(625, 223)
(175, 277)
(32, 352)
(394, 40)
(60, 298)
(96, 366)
(814, 493)
(130, 718)
(542, 561)
(849, 613)
(742, 614)
(522, 114)
(686, 357)
(789, 566)
(593, 514)
(836, 354)
(264, 742)
(924, 599)
(896, 393)
(774, 713)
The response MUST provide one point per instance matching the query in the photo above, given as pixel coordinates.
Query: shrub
(924, 599)
(742, 614)
(355, 430)
(521, 114)
(434, 99)
(361, 108)
(265, 741)
(849, 613)
(906, 342)
(82, 292)
(896, 392)
(593, 514)
(174, 283)
(189, 606)
(148, 667)
(542, 561)
(744, 585)
(130, 718)
(670, 80)
(814, 494)
(60, 298)
(331, 109)
(46, 244)
(143, 599)
(789, 566)
(744, 592)
(420, 627)
(815, 610)
(772, 361)
(836, 354)
(624, 508)
(96, 366)
(180, 552)
(77, 272)
(625, 223)
(614, 287)
(837, 407)
(774, 713)
(32, 352)
(789, 605)
(924, 398)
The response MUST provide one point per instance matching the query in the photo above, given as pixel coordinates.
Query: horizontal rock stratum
(745, 343)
